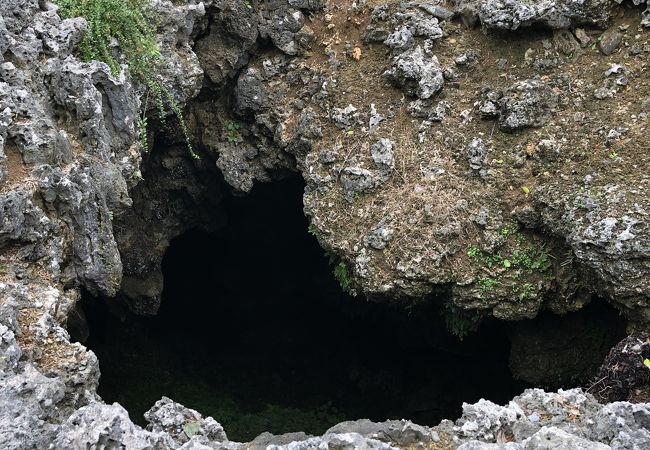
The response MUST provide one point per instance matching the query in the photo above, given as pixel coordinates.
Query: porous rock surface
(415, 193)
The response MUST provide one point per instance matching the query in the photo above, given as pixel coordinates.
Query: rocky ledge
(505, 171)
(535, 420)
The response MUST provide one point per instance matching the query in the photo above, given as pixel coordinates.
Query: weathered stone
(609, 42)
(183, 424)
(525, 104)
(420, 75)
(98, 425)
(513, 14)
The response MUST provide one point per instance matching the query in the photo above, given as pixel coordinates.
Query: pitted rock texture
(69, 154)
(492, 152)
(530, 219)
(513, 14)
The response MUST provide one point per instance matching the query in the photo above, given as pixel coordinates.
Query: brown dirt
(17, 170)
(516, 168)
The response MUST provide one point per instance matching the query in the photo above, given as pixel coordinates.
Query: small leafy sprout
(486, 285)
(142, 133)
(313, 230)
(232, 134)
(646, 362)
(474, 252)
(509, 230)
(526, 291)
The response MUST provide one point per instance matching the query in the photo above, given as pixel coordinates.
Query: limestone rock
(527, 103)
(106, 426)
(182, 423)
(513, 14)
(419, 74)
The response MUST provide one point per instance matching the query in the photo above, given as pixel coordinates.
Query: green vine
(132, 23)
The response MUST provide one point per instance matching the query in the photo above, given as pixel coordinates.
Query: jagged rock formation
(493, 154)
(437, 159)
(535, 420)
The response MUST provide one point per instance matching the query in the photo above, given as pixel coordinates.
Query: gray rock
(476, 153)
(27, 400)
(250, 93)
(551, 438)
(488, 107)
(401, 39)
(311, 5)
(383, 155)
(437, 11)
(582, 37)
(624, 425)
(335, 442)
(231, 35)
(345, 117)
(609, 42)
(375, 119)
(106, 426)
(419, 74)
(262, 441)
(356, 180)
(528, 103)
(514, 14)
(183, 424)
(285, 26)
(478, 445)
(380, 235)
(484, 420)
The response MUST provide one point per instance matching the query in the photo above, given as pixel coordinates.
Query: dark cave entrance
(254, 331)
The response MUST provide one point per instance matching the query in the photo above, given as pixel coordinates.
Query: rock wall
(506, 171)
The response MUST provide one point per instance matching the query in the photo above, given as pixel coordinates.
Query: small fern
(132, 23)
(343, 276)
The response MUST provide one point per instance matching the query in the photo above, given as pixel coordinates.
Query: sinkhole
(254, 331)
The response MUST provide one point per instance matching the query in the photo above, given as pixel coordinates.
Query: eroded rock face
(513, 14)
(547, 218)
(177, 194)
(68, 156)
(183, 424)
(503, 252)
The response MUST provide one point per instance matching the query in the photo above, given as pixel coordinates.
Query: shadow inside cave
(255, 331)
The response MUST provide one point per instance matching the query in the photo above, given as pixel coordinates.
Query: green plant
(486, 284)
(342, 275)
(533, 259)
(132, 24)
(461, 322)
(509, 230)
(232, 134)
(143, 124)
(522, 256)
(525, 291)
(313, 230)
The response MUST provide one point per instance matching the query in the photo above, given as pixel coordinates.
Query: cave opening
(254, 331)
